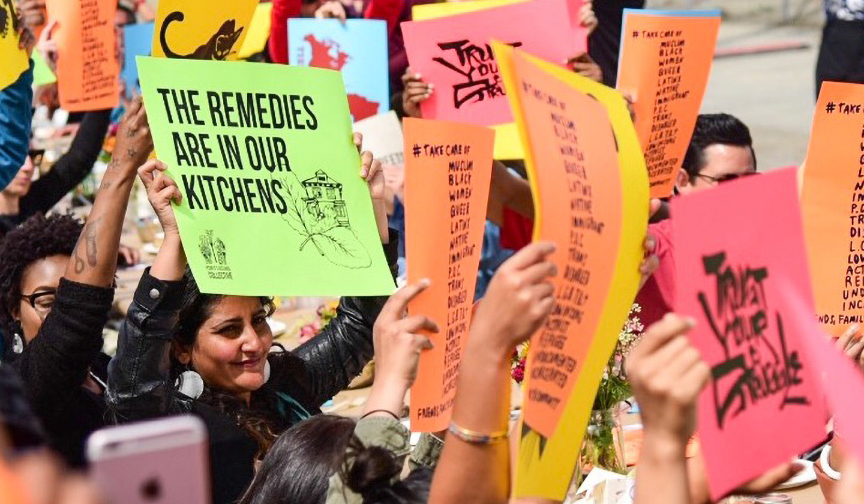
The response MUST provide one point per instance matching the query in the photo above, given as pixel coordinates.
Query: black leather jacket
(140, 384)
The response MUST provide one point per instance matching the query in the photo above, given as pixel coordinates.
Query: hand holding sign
(519, 298)
(399, 339)
(161, 191)
(667, 374)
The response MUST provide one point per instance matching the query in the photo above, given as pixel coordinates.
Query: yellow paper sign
(202, 29)
(259, 30)
(14, 59)
(546, 464)
(436, 10)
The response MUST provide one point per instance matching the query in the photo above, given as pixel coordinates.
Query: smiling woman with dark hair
(182, 351)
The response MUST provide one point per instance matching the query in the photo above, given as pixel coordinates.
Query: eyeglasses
(41, 301)
(726, 178)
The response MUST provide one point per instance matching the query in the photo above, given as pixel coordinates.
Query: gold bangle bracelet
(474, 437)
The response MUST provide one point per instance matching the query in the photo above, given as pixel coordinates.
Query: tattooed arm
(95, 256)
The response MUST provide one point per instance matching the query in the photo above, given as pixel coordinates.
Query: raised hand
(371, 172)
(134, 142)
(667, 374)
(332, 10)
(399, 339)
(585, 66)
(518, 300)
(161, 191)
(47, 46)
(414, 93)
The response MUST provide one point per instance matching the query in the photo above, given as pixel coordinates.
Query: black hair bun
(372, 470)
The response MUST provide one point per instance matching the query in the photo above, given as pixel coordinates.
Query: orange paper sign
(578, 189)
(832, 204)
(664, 65)
(448, 167)
(88, 70)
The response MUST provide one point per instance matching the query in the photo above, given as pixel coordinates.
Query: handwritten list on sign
(832, 204)
(545, 464)
(88, 73)
(447, 175)
(580, 198)
(665, 64)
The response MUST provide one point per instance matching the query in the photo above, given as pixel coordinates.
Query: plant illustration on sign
(318, 213)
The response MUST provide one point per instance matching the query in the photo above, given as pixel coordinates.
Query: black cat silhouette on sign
(218, 47)
(8, 19)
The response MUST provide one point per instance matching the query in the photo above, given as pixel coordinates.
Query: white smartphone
(158, 462)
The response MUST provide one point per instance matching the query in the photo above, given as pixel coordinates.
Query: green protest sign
(273, 202)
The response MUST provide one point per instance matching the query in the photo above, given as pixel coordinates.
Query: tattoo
(79, 264)
(89, 236)
(131, 152)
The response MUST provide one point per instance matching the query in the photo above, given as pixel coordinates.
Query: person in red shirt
(720, 150)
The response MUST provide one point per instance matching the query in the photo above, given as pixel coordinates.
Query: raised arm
(58, 359)
(71, 168)
(508, 191)
(139, 376)
(336, 355)
(95, 258)
(667, 375)
(517, 302)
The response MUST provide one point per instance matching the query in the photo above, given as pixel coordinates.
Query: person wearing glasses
(721, 150)
(56, 290)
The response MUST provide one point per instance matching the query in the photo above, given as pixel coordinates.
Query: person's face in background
(20, 185)
(722, 163)
(40, 277)
(122, 17)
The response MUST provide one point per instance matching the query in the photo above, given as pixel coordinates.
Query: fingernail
(431, 86)
(417, 76)
(424, 282)
(855, 327)
(690, 321)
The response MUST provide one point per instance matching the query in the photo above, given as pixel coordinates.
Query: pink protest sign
(840, 378)
(454, 54)
(736, 254)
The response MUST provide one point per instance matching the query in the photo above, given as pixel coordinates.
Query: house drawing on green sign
(324, 197)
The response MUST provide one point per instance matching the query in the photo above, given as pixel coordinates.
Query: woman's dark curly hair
(37, 238)
(260, 419)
